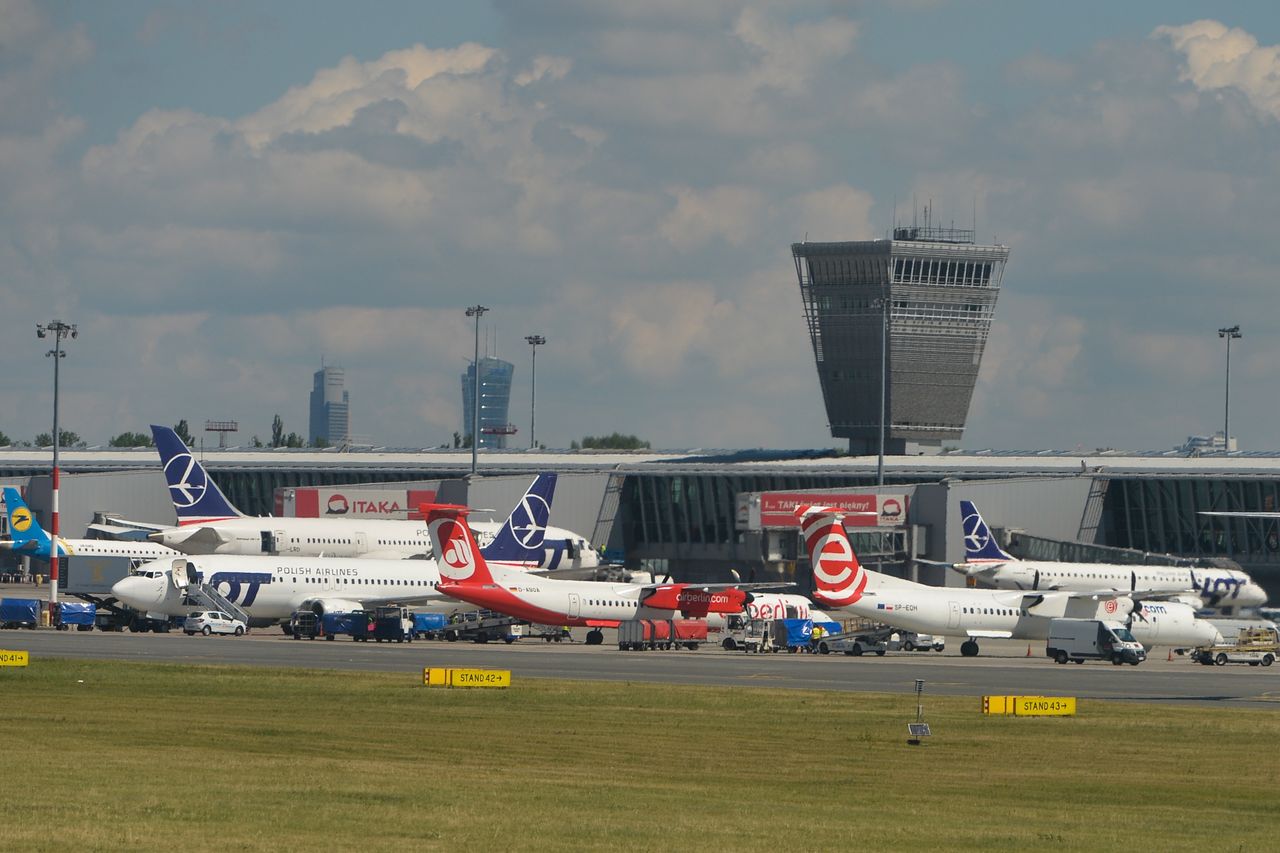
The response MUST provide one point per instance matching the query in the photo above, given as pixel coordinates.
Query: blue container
(799, 631)
(19, 611)
(77, 613)
(427, 622)
(337, 623)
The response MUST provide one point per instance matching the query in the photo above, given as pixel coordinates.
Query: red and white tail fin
(838, 578)
(457, 555)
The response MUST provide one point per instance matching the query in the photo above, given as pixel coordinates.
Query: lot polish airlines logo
(976, 534)
(524, 521)
(187, 480)
(837, 575)
(457, 562)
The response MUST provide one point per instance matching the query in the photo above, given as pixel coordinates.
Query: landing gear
(595, 637)
(969, 649)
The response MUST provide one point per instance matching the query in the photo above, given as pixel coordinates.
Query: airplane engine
(321, 606)
(692, 601)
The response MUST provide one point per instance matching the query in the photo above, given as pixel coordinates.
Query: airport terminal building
(705, 515)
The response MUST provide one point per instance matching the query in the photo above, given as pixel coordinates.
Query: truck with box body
(1078, 640)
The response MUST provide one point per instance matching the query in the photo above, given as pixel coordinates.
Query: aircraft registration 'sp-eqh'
(466, 575)
(1225, 590)
(29, 538)
(209, 524)
(842, 583)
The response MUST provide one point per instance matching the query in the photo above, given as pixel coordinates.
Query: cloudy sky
(221, 195)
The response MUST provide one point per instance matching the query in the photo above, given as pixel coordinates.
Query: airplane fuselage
(1216, 588)
(271, 588)
(1019, 615)
(584, 603)
(373, 538)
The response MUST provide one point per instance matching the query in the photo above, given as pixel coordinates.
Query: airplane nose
(1209, 635)
(134, 591)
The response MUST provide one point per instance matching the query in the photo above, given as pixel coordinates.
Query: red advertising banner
(777, 509)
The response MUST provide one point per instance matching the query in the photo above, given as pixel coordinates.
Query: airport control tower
(930, 293)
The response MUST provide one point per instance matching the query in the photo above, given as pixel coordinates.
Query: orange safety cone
(1028, 650)
(1171, 653)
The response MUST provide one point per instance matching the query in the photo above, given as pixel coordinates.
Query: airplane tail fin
(521, 537)
(196, 497)
(457, 556)
(979, 545)
(27, 535)
(838, 578)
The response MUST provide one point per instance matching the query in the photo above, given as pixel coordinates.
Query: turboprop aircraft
(209, 524)
(1224, 590)
(466, 575)
(842, 583)
(29, 538)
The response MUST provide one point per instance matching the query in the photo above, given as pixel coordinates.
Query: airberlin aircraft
(467, 576)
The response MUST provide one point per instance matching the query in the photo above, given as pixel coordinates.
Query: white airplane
(209, 524)
(1224, 590)
(842, 583)
(466, 575)
(29, 538)
(269, 589)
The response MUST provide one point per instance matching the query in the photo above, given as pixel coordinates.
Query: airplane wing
(204, 537)
(990, 635)
(1242, 514)
(119, 526)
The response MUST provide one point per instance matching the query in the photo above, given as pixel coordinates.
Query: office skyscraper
(495, 401)
(330, 408)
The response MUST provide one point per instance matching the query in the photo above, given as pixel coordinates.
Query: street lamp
(60, 331)
(883, 305)
(535, 341)
(476, 311)
(1232, 332)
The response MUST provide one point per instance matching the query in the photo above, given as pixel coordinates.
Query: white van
(1078, 639)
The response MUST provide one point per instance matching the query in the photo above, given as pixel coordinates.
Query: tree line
(279, 438)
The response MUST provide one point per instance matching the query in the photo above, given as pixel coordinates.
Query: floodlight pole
(535, 341)
(476, 311)
(883, 305)
(60, 331)
(1228, 333)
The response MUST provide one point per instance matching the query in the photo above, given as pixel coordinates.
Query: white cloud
(1221, 57)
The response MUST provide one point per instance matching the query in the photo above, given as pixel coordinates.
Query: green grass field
(106, 755)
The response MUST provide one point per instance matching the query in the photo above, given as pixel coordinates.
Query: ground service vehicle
(481, 626)
(641, 634)
(212, 622)
(1254, 646)
(392, 622)
(1080, 639)
(913, 642)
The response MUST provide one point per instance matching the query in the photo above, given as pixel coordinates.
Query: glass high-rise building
(929, 294)
(330, 408)
(495, 401)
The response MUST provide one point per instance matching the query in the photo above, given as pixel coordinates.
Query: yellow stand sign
(451, 677)
(1029, 706)
(8, 658)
